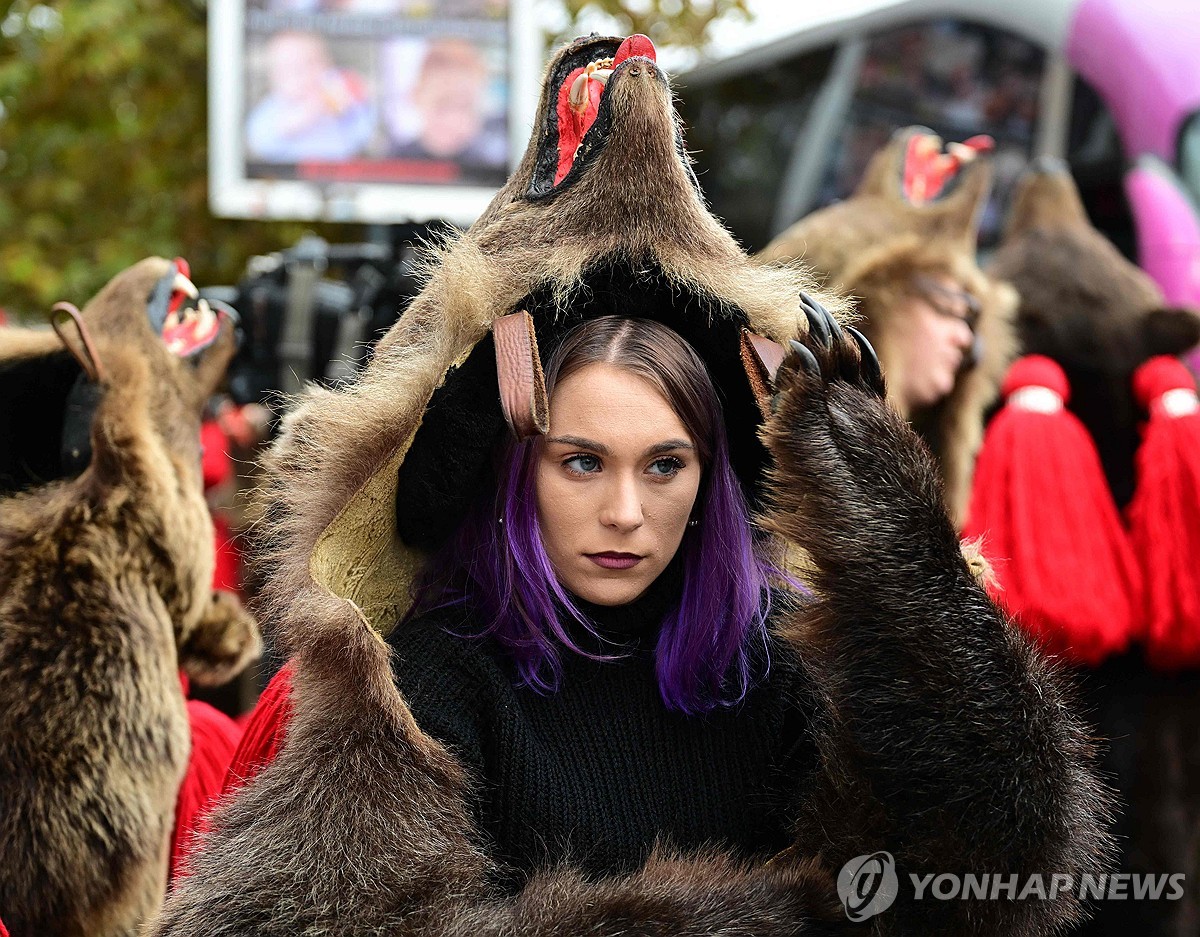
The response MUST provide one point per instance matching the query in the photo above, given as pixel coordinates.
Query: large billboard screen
(367, 110)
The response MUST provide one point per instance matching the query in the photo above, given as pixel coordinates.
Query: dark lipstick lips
(614, 560)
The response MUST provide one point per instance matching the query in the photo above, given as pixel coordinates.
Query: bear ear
(1046, 198)
(1171, 331)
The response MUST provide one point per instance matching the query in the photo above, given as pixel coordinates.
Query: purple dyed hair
(704, 654)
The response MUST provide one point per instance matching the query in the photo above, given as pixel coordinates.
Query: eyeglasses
(948, 301)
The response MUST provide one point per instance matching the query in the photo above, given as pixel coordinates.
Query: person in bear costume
(106, 565)
(1097, 330)
(933, 731)
(903, 246)
(1088, 308)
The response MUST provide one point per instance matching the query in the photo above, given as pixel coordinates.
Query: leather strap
(519, 374)
(87, 358)
(761, 357)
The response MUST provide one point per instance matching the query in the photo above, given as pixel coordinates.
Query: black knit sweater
(600, 770)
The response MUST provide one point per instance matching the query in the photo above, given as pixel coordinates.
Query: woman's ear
(1170, 331)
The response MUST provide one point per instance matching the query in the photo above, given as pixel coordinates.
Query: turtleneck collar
(636, 622)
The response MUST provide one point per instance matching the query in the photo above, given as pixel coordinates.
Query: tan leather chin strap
(519, 374)
(60, 312)
(761, 357)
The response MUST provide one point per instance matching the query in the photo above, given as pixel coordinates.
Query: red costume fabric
(264, 732)
(218, 469)
(215, 737)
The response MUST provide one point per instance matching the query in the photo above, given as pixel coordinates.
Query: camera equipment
(300, 324)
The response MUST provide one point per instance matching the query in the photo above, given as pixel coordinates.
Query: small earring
(500, 520)
(693, 523)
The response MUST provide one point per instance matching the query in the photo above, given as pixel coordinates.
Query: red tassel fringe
(1041, 504)
(1164, 515)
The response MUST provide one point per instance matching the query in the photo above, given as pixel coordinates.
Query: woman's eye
(582, 464)
(665, 468)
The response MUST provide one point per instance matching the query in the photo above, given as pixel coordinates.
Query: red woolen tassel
(1041, 504)
(1164, 515)
(215, 737)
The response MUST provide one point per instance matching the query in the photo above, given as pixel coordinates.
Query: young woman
(600, 654)
(592, 643)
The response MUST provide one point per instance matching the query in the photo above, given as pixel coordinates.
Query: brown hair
(654, 353)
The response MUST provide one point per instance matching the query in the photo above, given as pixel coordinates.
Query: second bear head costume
(916, 213)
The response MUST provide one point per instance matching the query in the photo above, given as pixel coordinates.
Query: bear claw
(817, 326)
(808, 360)
(869, 365)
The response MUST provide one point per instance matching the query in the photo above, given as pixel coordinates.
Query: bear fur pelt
(944, 738)
(873, 245)
(1099, 316)
(105, 593)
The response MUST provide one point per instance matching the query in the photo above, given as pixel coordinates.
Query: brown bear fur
(945, 737)
(871, 245)
(105, 593)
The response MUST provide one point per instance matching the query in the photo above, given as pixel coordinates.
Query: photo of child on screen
(312, 110)
(439, 102)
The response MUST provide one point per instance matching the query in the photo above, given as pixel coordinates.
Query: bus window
(1189, 156)
(1098, 164)
(957, 78)
(742, 129)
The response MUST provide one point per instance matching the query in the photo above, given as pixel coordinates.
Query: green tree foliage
(103, 150)
(103, 140)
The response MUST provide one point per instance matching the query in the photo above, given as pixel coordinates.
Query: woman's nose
(623, 506)
(962, 335)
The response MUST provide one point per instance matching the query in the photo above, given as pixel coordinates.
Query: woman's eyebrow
(668, 446)
(581, 443)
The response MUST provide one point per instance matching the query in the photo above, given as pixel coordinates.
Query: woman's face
(935, 335)
(616, 484)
